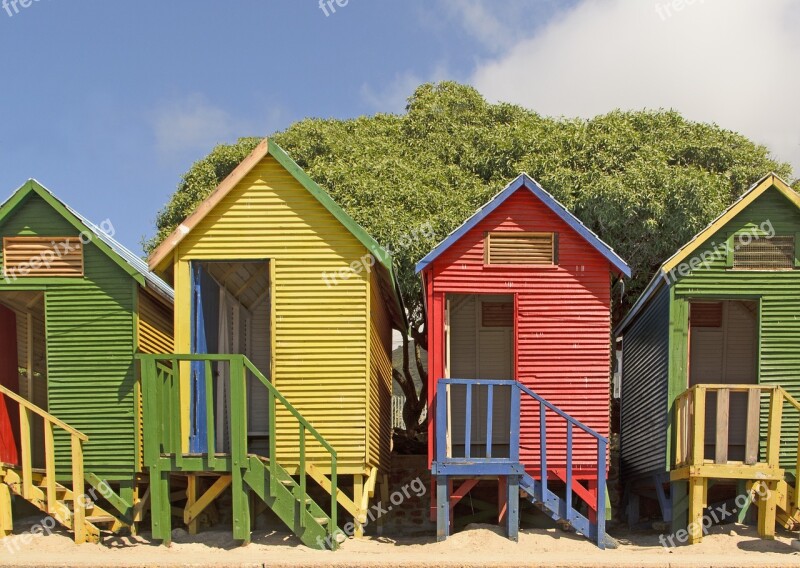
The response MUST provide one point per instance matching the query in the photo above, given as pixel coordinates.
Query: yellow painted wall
(154, 335)
(321, 330)
(380, 383)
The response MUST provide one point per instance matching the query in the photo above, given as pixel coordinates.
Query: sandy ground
(479, 545)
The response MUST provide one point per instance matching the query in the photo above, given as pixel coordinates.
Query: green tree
(645, 181)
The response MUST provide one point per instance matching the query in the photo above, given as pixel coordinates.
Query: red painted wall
(9, 378)
(563, 326)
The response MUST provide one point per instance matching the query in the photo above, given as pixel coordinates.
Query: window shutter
(764, 253)
(520, 248)
(42, 256)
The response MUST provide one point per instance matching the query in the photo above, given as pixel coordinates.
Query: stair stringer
(309, 522)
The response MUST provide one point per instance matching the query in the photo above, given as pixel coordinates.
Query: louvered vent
(42, 256)
(706, 314)
(764, 253)
(521, 248)
(497, 314)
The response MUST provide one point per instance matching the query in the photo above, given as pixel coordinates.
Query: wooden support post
(241, 506)
(697, 497)
(679, 497)
(384, 501)
(743, 487)
(192, 490)
(78, 497)
(160, 506)
(358, 497)
(512, 503)
(6, 516)
(442, 508)
(699, 438)
(767, 508)
(633, 509)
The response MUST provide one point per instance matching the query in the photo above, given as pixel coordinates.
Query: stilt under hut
(75, 308)
(519, 320)
(711, 370)
(282, 378)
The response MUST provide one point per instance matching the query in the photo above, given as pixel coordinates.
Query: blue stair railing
(446, 465)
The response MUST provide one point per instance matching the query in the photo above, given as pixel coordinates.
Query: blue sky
(107, 103)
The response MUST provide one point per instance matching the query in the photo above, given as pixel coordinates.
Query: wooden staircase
(513, 474)
(71, 507)
(250, 476)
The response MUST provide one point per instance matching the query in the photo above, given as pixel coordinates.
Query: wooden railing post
(468, 423)
(210, 426)
(774, 428)
(699, 426)
(723, 412)
(601, 492)
(568, 480)
(302, 448)
(751, 448)
(50, 466)
(440, 416)
(543, 449)
(78, 497)
(25, 452)
(489, 419)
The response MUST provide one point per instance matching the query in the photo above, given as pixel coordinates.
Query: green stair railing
(164, 379)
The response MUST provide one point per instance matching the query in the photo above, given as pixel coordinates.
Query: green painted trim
(678, 360)
(33, 187)
(357, 230)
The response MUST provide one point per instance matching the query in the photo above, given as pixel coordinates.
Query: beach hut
(519, 330)
(284, 316)
(711, 369)
(75, 308)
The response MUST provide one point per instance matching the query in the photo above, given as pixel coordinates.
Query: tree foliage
(644, 181)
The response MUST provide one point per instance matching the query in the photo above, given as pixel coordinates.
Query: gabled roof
(524, 180)
(124, 258)
(160, 256)
(660, 278)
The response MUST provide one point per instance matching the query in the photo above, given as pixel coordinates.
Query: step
(322, 520)
(100, 519)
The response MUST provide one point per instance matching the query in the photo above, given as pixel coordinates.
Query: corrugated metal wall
(780, 304)
(563, 326)
(380, 381)
(643, 401)
(322, 328)
(90, 350)
(155, 334)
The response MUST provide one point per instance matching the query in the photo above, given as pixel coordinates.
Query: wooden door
(9, 378)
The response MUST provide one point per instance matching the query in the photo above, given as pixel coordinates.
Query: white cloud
(193, 125)
(733, 62)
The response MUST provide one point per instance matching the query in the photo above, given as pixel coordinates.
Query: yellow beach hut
(284, 310)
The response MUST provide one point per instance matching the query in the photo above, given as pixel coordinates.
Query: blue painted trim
(568, 481)
(476, 468)
(543, 448)
(524, 180)
(468, 423)
(489, 419)
(198, 432)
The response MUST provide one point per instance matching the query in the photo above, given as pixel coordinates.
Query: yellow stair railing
(22, 480)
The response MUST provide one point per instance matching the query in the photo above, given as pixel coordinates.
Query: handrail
(170, 431)
(690, 418)
(77, 439)
(44, 414)
(443, 444)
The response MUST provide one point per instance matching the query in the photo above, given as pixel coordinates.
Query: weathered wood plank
(753, 427)
(723, 412)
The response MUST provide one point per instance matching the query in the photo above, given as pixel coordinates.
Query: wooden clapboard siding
(779, 295)
(380, 379)
(155, 333)
(562, 328)
(321, 327)
(89, 333)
